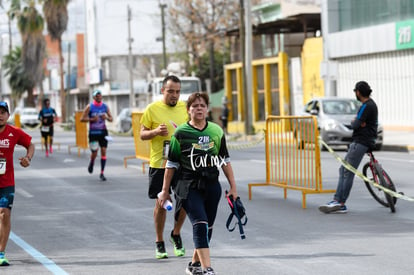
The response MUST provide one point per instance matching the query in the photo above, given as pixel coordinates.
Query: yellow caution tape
(235, 146)
(360, 175)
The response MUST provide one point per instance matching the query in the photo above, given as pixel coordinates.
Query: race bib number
(2, 166)
(94, 145)
(45, 129)
(165, 149)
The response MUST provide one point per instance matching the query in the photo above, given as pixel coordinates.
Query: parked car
(124, 120)
(334, 116)
(29, 117)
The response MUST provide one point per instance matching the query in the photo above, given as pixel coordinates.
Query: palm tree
(14, 69)
(56, 15)
(30, 24)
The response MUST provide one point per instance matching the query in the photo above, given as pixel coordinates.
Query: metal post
(164, 53)
(68, 85)
(132, 102)
(248, 70)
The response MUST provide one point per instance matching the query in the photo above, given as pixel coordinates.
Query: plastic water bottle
(167, 204)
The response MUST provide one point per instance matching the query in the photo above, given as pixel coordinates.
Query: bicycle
(374, 171)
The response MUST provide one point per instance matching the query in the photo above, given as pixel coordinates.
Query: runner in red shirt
(10, 136)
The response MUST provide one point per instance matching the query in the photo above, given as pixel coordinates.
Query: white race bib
(45, 129)
(2, 166)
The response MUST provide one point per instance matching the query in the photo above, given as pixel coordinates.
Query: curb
(397, 148)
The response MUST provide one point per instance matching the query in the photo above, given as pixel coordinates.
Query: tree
(30, 24)
(200, 24)
(56, 15)
(204, 71)
(18, 80)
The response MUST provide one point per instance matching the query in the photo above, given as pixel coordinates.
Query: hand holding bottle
(166, 204)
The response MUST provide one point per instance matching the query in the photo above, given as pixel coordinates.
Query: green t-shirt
(194, 149)
(157, 113)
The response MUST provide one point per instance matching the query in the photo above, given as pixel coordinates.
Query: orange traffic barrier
(293, 156)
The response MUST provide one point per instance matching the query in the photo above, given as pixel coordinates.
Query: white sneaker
(331, 206)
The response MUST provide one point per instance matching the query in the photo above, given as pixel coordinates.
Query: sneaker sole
(179, 253)
(328, 209)
(340, 212)
(161, 256)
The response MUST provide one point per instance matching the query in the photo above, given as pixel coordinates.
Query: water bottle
(167, 204)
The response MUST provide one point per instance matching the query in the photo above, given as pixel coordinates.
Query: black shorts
(156, 180)
(100, 138)
(6, 197)
(47, 134)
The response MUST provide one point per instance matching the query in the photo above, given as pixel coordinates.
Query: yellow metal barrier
(293, 156)
(142, 147)
(81, 130)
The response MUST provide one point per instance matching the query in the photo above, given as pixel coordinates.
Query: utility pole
(246, 51)
(164, 54)
(132, 102)
(68, 86)
(248, 69)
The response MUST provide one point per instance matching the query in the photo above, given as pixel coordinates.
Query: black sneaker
(194, 268)
(179, 250)
(102, 177)
(90, 167)
(160, 252)
(209, 271)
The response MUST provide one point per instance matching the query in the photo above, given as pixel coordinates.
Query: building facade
(373, 40)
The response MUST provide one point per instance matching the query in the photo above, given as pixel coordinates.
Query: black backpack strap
(236, 212)
(229, 221)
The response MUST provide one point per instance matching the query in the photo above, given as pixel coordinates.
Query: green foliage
(18, 79)
(56, 15)
(203, 71)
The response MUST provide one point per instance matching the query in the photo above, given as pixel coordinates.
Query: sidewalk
(398, 141)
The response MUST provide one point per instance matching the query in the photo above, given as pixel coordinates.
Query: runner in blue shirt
(47, 117)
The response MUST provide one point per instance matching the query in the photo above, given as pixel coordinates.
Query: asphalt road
(66, 221)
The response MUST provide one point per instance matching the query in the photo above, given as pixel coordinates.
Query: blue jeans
(346, 178)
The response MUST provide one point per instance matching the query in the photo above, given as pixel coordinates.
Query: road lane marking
(49, 264)
(24, 193)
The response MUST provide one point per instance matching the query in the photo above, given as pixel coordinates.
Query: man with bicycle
(365, 127)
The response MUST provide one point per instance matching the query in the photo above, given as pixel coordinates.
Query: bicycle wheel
(390, 185)
(384, 183)
(378, 194)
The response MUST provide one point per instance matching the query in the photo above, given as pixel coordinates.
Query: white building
(373, 41)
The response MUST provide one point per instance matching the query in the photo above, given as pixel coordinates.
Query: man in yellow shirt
(158, 124)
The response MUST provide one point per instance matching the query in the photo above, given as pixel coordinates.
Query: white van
(189, 85)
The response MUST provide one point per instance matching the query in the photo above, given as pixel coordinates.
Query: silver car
(334, 116)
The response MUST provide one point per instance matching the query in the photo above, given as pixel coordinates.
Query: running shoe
(160, 252)
(47, 153)
(51, 150)
(102, 177)
(209, 271)
(3, 260)
(330, 207)
(90, 167)
(341, 210)
(179, 250)
(194, 268)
